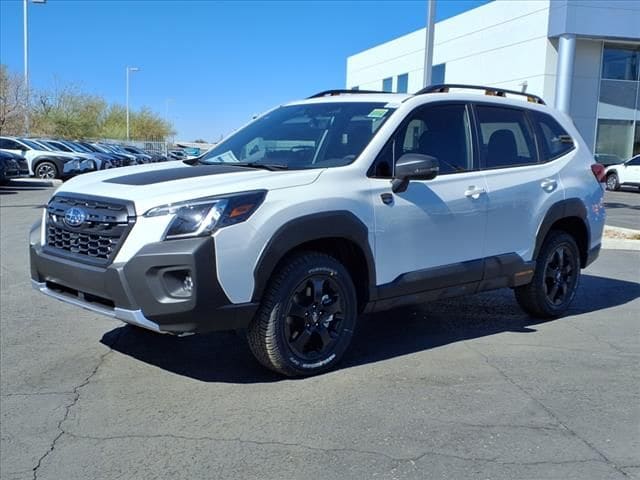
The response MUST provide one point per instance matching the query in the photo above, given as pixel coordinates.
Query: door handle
(474, 192)
(548, 184)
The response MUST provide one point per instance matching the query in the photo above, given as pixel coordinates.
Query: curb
(620, 244)
(613, 238)
(36, 182)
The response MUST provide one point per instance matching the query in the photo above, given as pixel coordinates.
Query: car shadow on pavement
(621, 205)
(225, 357)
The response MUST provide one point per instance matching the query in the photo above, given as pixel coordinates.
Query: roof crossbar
(332, 93)
(491, 91)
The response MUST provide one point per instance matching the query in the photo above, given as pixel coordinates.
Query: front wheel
(46, 170)
(613, 182)
(555, 280)
(307, 316)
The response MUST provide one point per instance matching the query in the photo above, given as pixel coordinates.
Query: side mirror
(413, 166)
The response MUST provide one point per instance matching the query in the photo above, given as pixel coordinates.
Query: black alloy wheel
(314, 317)
(307, 316)
(559, 275)
(555, 280)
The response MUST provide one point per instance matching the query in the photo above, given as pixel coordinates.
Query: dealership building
(583, 56)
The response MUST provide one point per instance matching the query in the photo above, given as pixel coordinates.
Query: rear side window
(506, 139)
(553, 140)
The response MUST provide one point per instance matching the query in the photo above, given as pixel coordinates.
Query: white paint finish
(240, 247)
(432, 224)
(152, 195)
(516, 198)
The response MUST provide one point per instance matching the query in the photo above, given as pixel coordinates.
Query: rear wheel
(555, 280)
(46, 170)
(307, 316)
(613, 182)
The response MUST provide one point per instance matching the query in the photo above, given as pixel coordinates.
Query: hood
(157, 184)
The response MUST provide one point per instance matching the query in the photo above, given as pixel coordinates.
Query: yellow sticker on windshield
(378, 113)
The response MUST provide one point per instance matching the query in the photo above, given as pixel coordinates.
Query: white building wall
(503, 43)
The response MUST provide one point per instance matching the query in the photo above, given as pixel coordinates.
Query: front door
(430, 236)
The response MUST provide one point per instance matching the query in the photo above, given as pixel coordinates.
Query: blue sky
(218, 62)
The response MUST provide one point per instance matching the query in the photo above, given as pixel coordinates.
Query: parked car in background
(137, 151)
(12, 166)
(61, 146)
(154, 154)
(107, 157)
(44, 162)
(111, 148)
(177, 155)
(139, 158)
(607, 159)
(121, 160)
(624, 174)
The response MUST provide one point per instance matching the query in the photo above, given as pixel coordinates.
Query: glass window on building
(438, 73)
(619, 103)
(387, 84)
(403, 83)
(620, 62)
(615, 137)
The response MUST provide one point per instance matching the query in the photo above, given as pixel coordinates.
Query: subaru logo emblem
(74, 217)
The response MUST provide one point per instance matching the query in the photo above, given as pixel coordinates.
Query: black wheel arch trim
(317, 226)
(56, 161)
(568, 208)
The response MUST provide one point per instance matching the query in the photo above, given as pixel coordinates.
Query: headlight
(201, 217)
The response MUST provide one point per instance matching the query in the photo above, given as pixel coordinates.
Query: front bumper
(148, 290)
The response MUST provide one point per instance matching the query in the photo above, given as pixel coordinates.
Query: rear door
(522, 175)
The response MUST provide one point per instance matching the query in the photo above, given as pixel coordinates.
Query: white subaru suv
(322, 209)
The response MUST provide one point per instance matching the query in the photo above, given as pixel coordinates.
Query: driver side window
(440, 131)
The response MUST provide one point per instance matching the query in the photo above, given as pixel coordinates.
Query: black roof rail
(331, 93)
(491, 91)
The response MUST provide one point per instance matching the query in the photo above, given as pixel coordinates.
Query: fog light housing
(179, 283)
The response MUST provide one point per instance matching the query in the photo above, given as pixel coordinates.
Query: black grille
(98, 238)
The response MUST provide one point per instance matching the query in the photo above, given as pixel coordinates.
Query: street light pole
(428, 43)
(26, 67)
(129, 69)
(25, 38)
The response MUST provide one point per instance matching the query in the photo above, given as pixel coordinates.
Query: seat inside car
(502, 149)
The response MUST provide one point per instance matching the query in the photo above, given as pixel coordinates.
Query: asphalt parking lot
(623, 208)
(468, 388)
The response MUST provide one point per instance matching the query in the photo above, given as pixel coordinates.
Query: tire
(46, 170)
(556, 278)
(307, 316)
(613, 182)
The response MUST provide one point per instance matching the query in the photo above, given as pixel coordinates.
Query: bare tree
(13, 102)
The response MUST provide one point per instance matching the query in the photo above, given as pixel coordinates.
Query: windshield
(31, 144)
(304, 136)
(77, 147)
